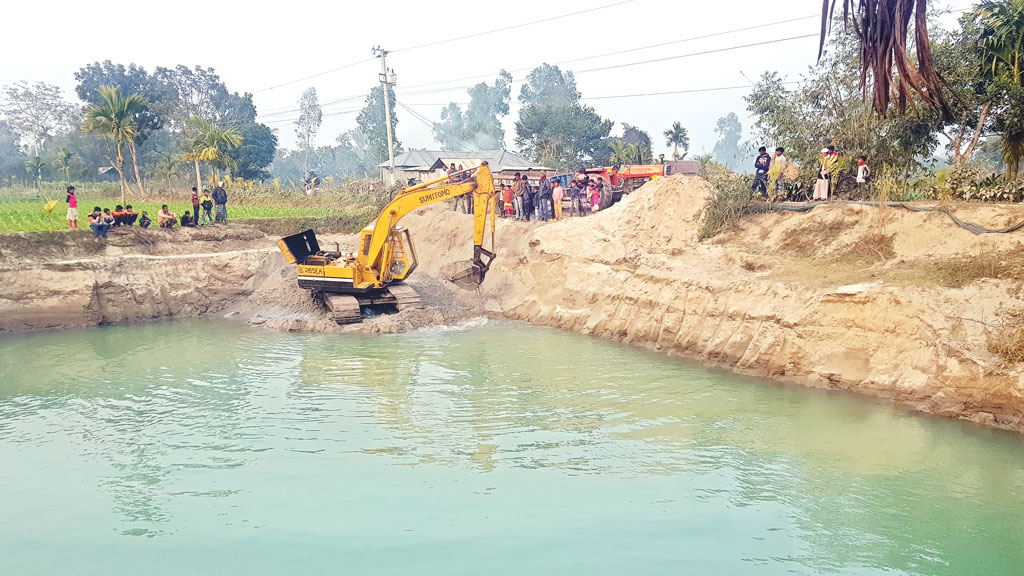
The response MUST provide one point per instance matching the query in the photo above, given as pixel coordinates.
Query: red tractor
(623, 180)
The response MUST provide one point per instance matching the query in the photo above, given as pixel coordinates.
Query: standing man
(778, 168)
(220, 201)
(195, 202)
(761, 165)
(544, 198)
(206, 203)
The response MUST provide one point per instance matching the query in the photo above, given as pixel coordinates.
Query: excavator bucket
(464, 274)
(469, 274)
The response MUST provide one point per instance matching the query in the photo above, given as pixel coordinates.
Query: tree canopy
(553, 126)
(479, 127)
(373, 125)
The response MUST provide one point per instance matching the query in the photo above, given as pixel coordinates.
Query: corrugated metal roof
(499, 160)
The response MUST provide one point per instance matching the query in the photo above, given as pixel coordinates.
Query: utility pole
(385, 83)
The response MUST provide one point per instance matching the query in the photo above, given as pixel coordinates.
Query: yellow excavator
(375, 274)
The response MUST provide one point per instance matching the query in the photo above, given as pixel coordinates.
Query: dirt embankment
(883, 302)
(67, 280)
(890, 303)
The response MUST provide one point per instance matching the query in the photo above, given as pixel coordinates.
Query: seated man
(144, 221)
(120, 216)
(130, 216)
(165, 218)
(98, 224)
(187, 220)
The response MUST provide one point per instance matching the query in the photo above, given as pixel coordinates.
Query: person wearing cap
(822, 185)
(779, 165)
(761, 165)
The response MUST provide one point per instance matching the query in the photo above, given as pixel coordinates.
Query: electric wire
(317, 75)
(512, 27)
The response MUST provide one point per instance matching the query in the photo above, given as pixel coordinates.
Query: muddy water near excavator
(478, 448)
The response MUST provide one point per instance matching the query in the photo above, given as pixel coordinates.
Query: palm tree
(620, 152)
(63, 162)
(677, 137)
(209, 145)
(1002, 39)
(114, 117)
(166, 168)
(633, 153)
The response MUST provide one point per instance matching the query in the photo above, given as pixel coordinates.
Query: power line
(626, 51)
(691, 91)
(715, 51)
(642, 62)
(705, 36)
(408, 48)
(317, 75)
(512, 27)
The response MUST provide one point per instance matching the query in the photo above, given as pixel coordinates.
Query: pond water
(201, 448)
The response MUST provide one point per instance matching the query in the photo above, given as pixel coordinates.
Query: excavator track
(344, 309)
(405, 297)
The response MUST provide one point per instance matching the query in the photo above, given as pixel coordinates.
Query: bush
(728, 205)
(970, 183)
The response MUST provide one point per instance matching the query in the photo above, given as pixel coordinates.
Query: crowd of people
(212, 205)
(828, 168)
(540, 200)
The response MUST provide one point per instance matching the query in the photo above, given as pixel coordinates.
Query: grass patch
(344, 224)
(873, 247)
(961, 272)
(1008, 345)
(806, 240)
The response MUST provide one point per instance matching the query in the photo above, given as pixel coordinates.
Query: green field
(29, 216)
(21, 210)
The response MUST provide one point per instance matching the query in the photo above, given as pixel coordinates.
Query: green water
(501, 449)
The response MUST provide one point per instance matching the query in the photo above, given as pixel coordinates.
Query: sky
(278, 53)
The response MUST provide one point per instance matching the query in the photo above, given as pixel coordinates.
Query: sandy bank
(889, 303)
